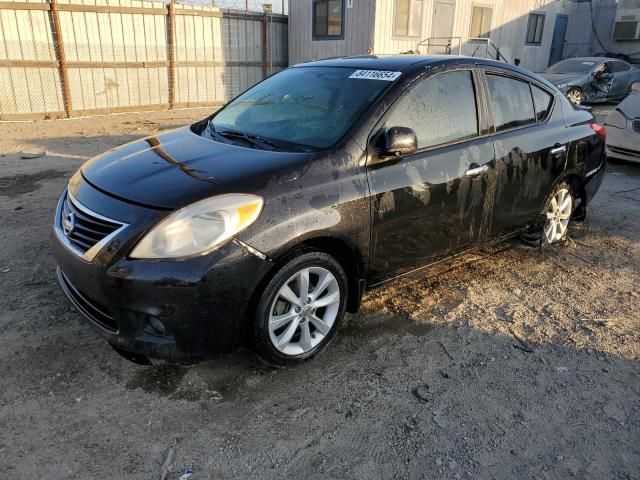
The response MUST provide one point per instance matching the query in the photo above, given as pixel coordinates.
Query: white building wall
(374, 27)
(358, 32)
(508, 28)
(604, 13)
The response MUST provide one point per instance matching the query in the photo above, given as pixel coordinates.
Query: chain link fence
(68, 59)
(277, 6)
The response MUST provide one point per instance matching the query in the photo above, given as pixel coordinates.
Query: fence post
(58, 46)
(264, 45)
(171, 45)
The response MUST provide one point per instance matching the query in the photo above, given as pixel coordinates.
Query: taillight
(599, 129)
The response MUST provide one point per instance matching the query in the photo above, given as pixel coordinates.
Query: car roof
(595, 59)
(407, 63)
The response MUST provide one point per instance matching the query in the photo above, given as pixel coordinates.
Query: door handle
(476, 171)
(558, 150)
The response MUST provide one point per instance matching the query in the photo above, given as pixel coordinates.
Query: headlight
(616, 119)
(200, 227)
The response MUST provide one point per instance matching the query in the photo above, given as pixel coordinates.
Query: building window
(535, 28)
(481, 22)
(328, 19)
(408, 19)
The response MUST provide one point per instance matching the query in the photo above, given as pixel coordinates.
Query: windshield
(574, 66)
(301, 108)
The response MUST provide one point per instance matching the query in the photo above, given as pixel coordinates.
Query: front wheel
(300, 309)
(575, 96)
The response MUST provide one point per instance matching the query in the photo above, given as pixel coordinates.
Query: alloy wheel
(304, 310)
(558, 215)
(574, 96)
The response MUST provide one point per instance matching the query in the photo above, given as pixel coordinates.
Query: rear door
(530, 144)
(621, 78)
(432, 203)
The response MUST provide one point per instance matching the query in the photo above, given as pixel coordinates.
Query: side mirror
(399, 141)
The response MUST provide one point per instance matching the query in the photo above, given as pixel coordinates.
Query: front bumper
(171, 310)
(621, 153)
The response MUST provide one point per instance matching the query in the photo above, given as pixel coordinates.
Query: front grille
(636, 124)
(91, 309)
(82, 228)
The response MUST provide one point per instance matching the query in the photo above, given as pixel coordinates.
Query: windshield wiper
(253, 139)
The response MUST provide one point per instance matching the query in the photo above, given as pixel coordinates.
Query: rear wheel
(575, 95)
(553, 223)
(300, 309)
(558, 215)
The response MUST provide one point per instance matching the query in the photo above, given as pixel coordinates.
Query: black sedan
(265, 222)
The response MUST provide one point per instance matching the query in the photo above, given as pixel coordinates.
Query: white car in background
(623, 130)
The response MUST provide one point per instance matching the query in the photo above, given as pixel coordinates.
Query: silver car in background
(623, 130)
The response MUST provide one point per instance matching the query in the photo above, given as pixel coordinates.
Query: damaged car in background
(264, 223)
(593, 79)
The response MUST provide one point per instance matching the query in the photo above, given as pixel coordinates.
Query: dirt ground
(508, 363)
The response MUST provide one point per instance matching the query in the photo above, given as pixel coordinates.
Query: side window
(619, 67)
(327, 19)
(481, 22)
(542, 102)
(535, 28)
(441, 109)
(408, 19)
(511, 102)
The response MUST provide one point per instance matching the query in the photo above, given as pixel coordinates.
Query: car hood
(179, 167)
(630, 106)
(561, 78)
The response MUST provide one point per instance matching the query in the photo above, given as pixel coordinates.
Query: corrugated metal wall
(508, 29)
(358, 32)
(117, 56)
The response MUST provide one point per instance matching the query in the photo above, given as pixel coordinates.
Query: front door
(432, 203)
(557, 42)
(442, 27)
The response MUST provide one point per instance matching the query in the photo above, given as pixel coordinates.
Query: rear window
(572, 66)
(542, 101)
(511, 102)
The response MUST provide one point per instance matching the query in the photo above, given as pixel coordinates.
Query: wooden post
(58, 46)
(264, 45)
(171, 45)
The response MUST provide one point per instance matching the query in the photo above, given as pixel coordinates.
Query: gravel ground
(507, 363)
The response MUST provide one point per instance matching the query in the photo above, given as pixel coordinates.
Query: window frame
(521, 78)
(483, 6)
(481, 108)
(395, 16)
(314, 36)
(526, 37)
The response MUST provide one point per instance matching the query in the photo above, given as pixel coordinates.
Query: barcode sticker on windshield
(375, 75)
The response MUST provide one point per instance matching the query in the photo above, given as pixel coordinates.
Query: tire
(634, 88)
(288, 331)
(574, 95)
(553, 224)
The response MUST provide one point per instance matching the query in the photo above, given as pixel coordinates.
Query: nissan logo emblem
(68, 223)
